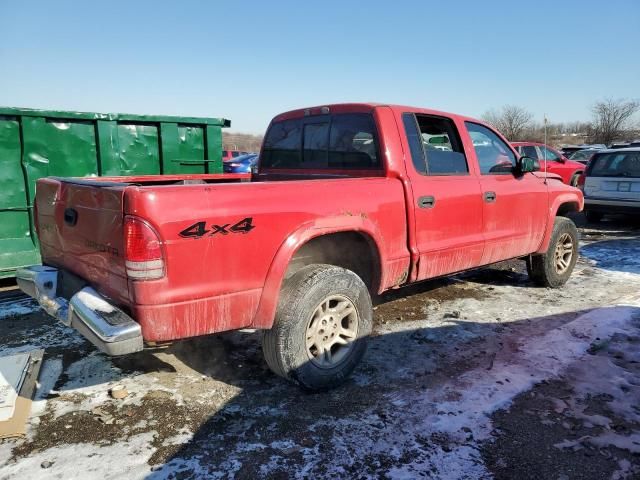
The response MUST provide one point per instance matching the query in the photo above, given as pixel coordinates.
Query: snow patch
(84, 460)
(20, 307)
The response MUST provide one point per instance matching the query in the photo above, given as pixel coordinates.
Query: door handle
(489, 197)
(426, 202)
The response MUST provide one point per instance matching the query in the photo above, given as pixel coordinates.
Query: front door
(515, 208)
(447, 198)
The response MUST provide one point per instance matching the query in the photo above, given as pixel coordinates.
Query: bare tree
(611, 118)
(241, 141)
(512, 121)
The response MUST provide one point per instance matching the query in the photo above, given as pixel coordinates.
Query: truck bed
(220, 235)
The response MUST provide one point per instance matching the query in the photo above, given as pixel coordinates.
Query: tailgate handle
(70, 216)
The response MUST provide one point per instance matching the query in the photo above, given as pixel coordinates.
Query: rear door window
(435, 145)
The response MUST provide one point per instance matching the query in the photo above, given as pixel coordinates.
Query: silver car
(612, 183)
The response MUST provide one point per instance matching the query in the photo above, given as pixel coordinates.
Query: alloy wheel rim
(563, 253)
(331, 331)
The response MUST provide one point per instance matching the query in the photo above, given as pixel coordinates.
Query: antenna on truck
(545, 149)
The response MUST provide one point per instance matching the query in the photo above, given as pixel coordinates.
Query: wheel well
(566, 208)
(351, 250)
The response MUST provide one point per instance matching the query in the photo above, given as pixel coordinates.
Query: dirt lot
(478, 376)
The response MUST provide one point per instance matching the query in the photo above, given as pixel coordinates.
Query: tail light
(142, 250)
(581, 179)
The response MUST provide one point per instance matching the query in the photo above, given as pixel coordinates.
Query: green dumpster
(38, 143)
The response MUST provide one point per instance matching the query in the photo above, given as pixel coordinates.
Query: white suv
(612, 183)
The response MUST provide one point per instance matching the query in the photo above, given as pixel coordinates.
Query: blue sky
(248, 61)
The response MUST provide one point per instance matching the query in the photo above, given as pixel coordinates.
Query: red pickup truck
(349, 201)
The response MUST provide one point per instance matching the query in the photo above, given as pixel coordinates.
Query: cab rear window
(345, 141)
(615, 164)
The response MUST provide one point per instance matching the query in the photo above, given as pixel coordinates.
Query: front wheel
(323, 320)
(553, 268)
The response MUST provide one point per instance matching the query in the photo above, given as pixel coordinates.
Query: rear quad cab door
(515, 208)
(446, 197)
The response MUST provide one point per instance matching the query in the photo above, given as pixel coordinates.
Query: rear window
(340, 141)
(615, 164)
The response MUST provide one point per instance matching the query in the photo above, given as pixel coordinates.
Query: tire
(322, 308)
(554, 268)
(593, 217)
(534, 275)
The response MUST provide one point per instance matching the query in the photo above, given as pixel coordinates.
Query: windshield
(582, 155)
(615, 164)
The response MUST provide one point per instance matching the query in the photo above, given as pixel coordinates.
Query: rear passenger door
(514, 208)
(447, 199)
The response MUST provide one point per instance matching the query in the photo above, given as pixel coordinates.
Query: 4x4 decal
(199, 229)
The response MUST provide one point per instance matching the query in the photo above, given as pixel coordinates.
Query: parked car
(228, 155)
(570, 149)
(347, 202)
(612, 183)
(557, 163)
(618, 145)
(583, 156)
(242, 164)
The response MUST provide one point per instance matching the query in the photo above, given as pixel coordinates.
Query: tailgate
(80, 226)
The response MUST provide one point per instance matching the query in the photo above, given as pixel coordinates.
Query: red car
(556, 162)
(228, 155)
(349, 201)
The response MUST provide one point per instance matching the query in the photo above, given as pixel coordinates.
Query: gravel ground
(481, 375)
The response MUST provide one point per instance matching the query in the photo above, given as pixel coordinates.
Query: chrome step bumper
(103, 324)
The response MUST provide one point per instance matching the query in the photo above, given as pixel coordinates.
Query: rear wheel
(554, 268)
(323, 320)
(593, 217)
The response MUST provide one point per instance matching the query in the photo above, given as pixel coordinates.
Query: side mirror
(526, 164)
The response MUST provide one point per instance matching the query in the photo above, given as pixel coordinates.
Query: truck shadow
(273, 425)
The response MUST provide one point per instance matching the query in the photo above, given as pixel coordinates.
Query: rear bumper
(103, 324)
(612, 206)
